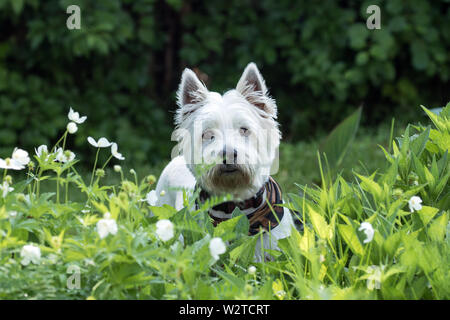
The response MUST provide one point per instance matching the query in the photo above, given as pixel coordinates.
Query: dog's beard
(222, 179)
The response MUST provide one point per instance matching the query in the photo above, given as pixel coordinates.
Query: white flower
(217, 247)
(69, 155)
(367, 228)
(117, 168)
(64, 156)
(106, 226)
(30, 253)
(41, 150)
(12, 214)
(5, 188)
(21, 156)
(75, 117)
(72, 127)
(374, 277)
(251, 270)
(151, 198)
(114, 152)
(164, 230)
(101, 143)
(9, 163)
(415, 203)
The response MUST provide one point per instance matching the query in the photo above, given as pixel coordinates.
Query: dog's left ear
(253, 87)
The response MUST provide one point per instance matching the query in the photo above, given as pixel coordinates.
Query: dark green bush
(122, 68)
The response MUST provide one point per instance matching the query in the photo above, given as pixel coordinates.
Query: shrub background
(123, 67)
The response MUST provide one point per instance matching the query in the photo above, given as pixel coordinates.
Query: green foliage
(339, 140)
(333, 257)
(123, 66)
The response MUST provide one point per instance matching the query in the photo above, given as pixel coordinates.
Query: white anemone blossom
(374, 277)
(75, 117)
(30, 253)
(101, 143)
(217, 247)
(151, 198)
(5, 188)
(41, 150)
(106, 226)
(367, 228)
(64, 156)
(114, 152)
(165, 230)
(21, 156)
(9, 163)
(415, 204)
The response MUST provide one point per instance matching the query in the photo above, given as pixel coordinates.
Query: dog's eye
(244, 131)
(208, 135)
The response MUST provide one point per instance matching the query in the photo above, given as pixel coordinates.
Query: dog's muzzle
(228, 168)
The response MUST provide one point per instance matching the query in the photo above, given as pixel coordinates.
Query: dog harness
(260, 214)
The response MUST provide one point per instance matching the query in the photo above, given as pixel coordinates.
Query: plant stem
(57, 188)
(63, 137)
(64, 141)
(95, 165)
(67, 191)
(110, 157)
(38, 183)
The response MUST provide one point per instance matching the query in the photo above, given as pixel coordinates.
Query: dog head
(229, 141)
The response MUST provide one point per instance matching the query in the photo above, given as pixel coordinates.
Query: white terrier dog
(229, 143)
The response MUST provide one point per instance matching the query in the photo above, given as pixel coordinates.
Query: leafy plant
(379, 235)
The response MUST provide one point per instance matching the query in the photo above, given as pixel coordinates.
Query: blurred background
(122, 69)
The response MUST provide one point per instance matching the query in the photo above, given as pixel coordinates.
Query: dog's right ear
(190, 95)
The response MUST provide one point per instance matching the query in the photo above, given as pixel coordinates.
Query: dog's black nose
(228, 156)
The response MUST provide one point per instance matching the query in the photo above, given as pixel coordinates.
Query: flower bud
(151, 179)
(8, 179)
(127, 186)
(20, 197)
(397, 193)
(251, 270)
(72, 127)
(31, 165)
(100, 173)
(117, 168)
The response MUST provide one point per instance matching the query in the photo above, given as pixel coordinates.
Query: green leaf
(392, 244)
(243, 224)
(438, 228)
(163, 212)
(371, 186)
(320, 225)
(427, 213)
(419, 143)
(244, 252)
(350, 237)
(340, 139)
(227, 229)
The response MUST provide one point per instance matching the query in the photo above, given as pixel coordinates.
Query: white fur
(213, 131)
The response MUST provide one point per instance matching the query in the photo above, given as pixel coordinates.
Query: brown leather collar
(263, 217)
